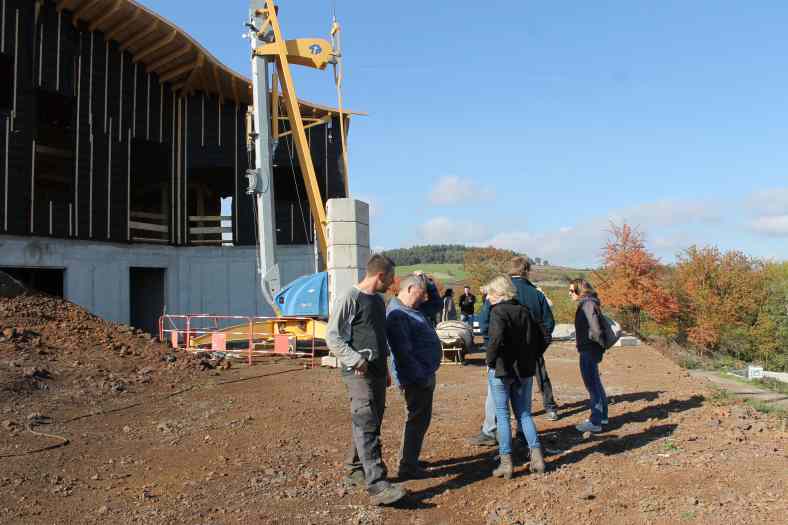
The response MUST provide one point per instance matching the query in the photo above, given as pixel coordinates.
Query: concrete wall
(216, 280)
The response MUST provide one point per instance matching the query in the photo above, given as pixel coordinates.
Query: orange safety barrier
(239, 335)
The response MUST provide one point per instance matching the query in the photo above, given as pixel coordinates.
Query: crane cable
(336, 46)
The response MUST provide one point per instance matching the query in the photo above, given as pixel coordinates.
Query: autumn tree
(631, 280)
(721, 297)
(482, 264)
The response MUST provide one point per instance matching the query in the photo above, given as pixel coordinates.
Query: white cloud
(773, 201)
(669, 213)
(772, 226)
(442, 230)
(454, 190)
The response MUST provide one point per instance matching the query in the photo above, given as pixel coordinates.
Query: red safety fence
(240, 336)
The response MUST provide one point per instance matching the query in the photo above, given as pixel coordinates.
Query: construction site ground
(155, 437)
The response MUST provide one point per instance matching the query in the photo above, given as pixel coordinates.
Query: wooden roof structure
(168, 51)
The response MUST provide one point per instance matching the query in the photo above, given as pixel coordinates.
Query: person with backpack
(515, 342)
(590, 326)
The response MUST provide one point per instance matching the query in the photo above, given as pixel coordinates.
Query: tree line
(711, 302)
(441, 254)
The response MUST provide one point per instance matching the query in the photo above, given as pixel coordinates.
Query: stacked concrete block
(348, 244)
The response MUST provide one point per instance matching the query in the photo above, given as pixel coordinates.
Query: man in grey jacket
(357, 336)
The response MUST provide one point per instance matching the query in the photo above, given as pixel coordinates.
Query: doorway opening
(147, 295)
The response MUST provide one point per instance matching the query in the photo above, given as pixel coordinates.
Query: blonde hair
(582, 288)
(502, 286)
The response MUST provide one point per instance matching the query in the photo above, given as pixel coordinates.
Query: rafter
(139, 57)
(139, 37)
(168, 58)
(197, 68)
(81, 10)
(215, 72)
(178, 71)
(124, 25)
(109, 13)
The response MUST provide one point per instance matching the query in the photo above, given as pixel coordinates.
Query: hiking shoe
(483, 440)
(537, 461)
(587, 426)
(551, 415)
(505, 468)
(412, 472)
(356, 478)
(391, 494)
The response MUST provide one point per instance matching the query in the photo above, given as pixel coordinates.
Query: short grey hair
(502, 286)
(412, 280)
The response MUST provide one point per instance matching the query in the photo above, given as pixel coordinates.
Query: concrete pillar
(348, 244)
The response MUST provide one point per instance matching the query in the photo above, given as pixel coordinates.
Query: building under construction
(123, 149)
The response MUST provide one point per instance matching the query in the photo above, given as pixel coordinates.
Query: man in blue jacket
(416, 356)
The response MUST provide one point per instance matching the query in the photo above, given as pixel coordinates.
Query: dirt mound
(54, 347)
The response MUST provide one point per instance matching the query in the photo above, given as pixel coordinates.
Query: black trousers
(548, 401)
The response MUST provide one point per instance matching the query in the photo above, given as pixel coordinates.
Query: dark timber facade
(111, 133)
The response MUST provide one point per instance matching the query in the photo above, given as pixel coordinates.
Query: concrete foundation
(214, 280)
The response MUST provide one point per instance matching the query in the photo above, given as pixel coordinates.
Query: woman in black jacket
(511, 359)
(590, 345)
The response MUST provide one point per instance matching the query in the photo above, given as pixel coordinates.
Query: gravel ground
(153, 440)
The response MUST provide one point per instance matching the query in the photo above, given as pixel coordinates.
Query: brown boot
(504, 470)
(537, 461)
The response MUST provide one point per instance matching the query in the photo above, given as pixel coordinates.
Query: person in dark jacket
(416, 353)
(590, 346)
(511, 360)
(449, 310)
(433, 304)
(467, 304)
(528, 295)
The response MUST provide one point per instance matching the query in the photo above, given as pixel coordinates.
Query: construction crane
(270, 50)
(269, 47)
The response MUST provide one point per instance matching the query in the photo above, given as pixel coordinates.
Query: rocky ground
(155, 437)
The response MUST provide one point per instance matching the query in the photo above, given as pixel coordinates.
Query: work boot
(504, 469)
(483, 440)
(355, 478)
(537, 461)
(551, 415)
(391, 494)
(412, 472)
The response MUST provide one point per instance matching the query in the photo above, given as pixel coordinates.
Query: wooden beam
(124, 25)
(197, 68)
(235, 90)
(109, 13)
(215, 72)
(169, 57)
(178, 71)
(139, 37)
(81, 10)
(143, 53)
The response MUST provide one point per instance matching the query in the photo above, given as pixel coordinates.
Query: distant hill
(439, 254)
(428, 254)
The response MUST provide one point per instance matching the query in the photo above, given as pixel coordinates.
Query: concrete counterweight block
(347, 256)
(341, 280)
(348, 210)
(348, 233)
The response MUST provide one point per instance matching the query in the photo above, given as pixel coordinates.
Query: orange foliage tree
(721, 296)
(632, 280)
(482, 264)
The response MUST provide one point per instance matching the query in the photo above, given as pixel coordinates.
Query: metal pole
(263, 181)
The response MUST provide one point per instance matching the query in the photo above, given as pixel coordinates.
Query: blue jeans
(589, 370)
(518, 393)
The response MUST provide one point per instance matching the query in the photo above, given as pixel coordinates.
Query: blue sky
(530, 125)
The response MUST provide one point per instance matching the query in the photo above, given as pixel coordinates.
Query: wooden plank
(205, 218)
(134, 225)
(196, 230)
(148, 215)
